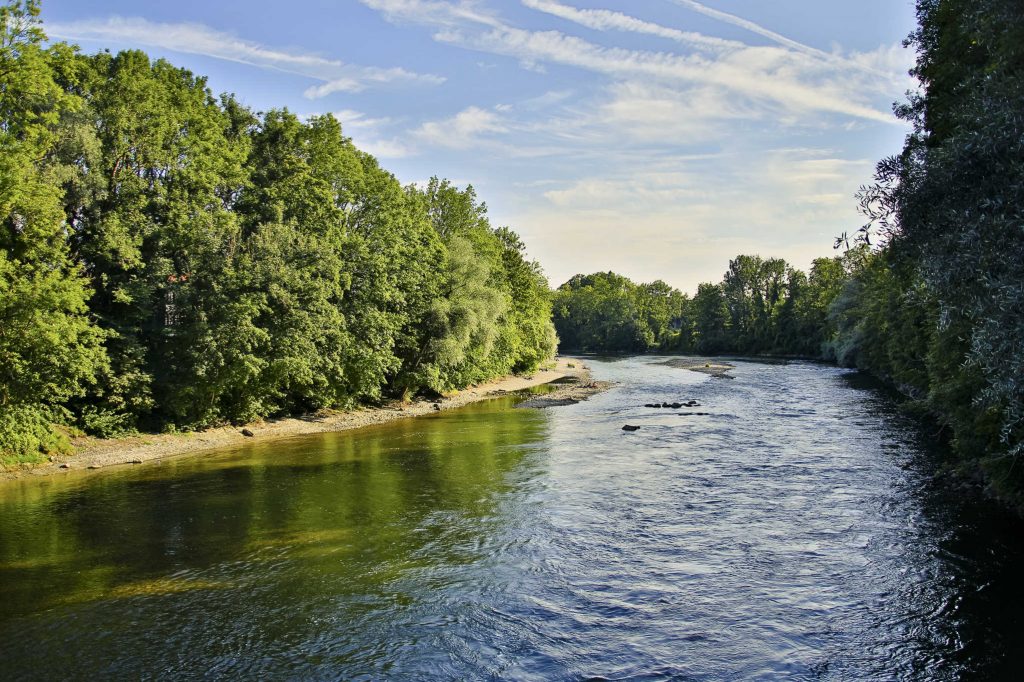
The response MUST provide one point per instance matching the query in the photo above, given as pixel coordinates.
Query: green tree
(242, 265)
(948, 208)
(711, 316)
(608, 312)
(49, 347)
(157, 235)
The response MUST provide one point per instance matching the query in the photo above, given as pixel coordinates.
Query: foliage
(49, 346)
(761, 306)
(950, 208)
(172, 260)
(491, 311)
(605, 312)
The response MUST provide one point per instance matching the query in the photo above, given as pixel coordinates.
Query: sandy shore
(94, 453)
(715, 369)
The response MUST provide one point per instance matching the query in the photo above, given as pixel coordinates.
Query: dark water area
(794, 531)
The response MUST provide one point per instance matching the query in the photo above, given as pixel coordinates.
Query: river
(794, 530)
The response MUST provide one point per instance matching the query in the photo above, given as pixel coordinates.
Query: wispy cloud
(350, 118)
(746, 74)
(789, 43)
(635, 191)
(651, 112)
(548, 99)
(685, 217)
(607, 20)
(435, 12)
(337, 76)
(767, 75)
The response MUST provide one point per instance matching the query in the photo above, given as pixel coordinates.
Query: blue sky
(656, 138)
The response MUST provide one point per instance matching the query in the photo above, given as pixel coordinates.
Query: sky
(655, 138)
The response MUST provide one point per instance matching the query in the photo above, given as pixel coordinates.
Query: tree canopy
(173, 260)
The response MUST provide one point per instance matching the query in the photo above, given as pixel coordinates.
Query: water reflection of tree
(344, 512)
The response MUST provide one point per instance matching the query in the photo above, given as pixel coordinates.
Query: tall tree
(949, 205)
(49, 347)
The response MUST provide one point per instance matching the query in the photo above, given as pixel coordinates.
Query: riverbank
(94, 453)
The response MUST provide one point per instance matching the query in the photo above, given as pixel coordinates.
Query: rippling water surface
(794, 531)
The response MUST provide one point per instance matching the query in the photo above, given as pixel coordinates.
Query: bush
(27, 435)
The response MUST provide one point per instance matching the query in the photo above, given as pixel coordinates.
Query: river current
(790, 527)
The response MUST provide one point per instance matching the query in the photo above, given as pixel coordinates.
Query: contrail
(750, 26)
(771, 35)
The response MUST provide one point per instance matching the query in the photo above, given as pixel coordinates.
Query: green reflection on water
(303, 519)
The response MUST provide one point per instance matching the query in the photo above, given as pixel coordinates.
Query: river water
(795, 531)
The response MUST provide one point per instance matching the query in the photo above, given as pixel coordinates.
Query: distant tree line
(761, 306)
(929, 295)
(169, 259)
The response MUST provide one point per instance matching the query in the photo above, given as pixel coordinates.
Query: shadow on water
(790, 527)
(979, 543)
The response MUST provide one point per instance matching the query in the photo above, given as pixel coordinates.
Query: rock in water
(628, 427)
(247, 433)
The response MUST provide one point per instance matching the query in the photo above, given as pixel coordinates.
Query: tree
(608, 312)
(948, 206)
(711, 316)
(49, 347)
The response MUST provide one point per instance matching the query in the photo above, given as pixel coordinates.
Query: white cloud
(685, 218)
(634, 191)
(203, 40)
(745, 74)
(650, 112)
(464, 130)
(393, 148)
(350, 118)
(754, 28)
(548, 99)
